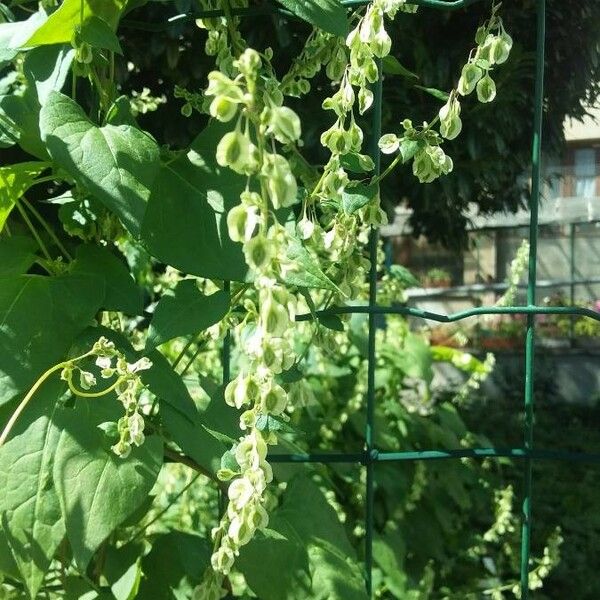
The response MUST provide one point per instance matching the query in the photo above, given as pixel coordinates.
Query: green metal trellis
(370, 456)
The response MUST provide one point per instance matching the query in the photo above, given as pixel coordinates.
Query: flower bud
(258, 253)
(469, 77)
(233, 151)
(242, 222)
(222, 109)
(284, 124)
(239, 531)
(451, 124)
(305, 227)
(249, 62)
(274, 318)
(86, 380)
(486, 89)
(274, 400)
(240, 492)
(500, 49)
(122, 449)
(281, 183)
(389, 143)
(381, 44)
(365, 99)
(222, 560)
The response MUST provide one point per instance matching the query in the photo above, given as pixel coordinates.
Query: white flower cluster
(321, 48)
(423, 144)
(111, 362)
(333, 233)
(493, 48)
(222, 39)
(254, 98)
(517, 267)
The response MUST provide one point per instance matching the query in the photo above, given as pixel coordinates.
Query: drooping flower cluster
(329, 229)
(493, 48)
(321, 48)
(335, 219)
(423, 144)
(111, 362)
(253, 97)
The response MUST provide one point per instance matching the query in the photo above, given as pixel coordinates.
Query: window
(585, 172)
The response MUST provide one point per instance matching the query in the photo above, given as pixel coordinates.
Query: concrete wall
(568, 376)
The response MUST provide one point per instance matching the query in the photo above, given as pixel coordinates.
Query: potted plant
(437, 278)
(503, 335)
(587, 333)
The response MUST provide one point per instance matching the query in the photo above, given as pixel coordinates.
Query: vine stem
(388, 170)
(47, 227)
(84, 394)
(33, 230)
(36, 386)
(167, 508)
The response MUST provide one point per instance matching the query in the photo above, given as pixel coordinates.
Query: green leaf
(99, 34)
(332, 322)
(328, 15)
(8, 566)
(287, 558)
(46, 70)
(416, 360)
(62, 23)
(180, 417)
(357, 163)
(392, 66)
(120, 113)
(17, 254)
(28, 501)
(408, 148)
(308, 273)
(174, 566)
(15, 180)
(354, 198)
(39, 319)
(14, 35)
(116, 163)
(439, 94)
(313, 557)
(121, 291)
(97, 489)
(19, 124)
(185, 311)
(169, 388)
(401, 274)
(185, 224)
(123, 570)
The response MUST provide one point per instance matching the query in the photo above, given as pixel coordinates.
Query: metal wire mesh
(370, 455)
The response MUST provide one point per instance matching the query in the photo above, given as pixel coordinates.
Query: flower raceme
(429, 159)
(260, 145)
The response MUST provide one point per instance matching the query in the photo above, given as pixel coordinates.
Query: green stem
(36, 386)
(187, 486)
(35, 234)
(192, 340)
(99, 394)
(388, 170)
(47, 227)
(191, 361)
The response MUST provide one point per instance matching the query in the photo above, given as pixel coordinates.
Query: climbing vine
(137, 262)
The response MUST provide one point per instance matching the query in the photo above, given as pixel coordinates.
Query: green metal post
(369, 430)
(531, 292)
(571, 280)
(226, 370)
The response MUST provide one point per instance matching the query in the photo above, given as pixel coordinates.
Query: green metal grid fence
(370, 455)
